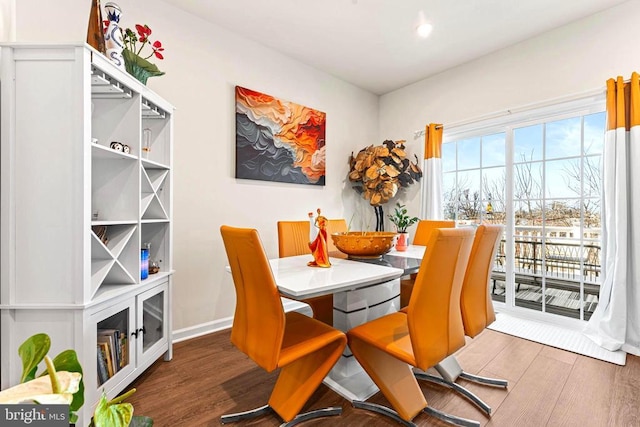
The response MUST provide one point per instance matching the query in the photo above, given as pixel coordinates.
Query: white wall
(7, 20)
(576, 58)
(203, 64)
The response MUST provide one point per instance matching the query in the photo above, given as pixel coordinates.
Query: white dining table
(295, 279)
(362, 291)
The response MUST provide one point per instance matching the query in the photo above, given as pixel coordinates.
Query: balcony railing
(556, 263)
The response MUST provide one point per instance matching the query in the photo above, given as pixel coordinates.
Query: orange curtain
(432, 187)
(615, 324)
(433, 141)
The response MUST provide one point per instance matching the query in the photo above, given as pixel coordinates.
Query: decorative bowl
(364, 244)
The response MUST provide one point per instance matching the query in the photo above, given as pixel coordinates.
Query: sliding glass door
(542, 181)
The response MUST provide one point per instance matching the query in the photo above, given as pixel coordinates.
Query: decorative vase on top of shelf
(113, 35)
(135, 61)
(95, 33)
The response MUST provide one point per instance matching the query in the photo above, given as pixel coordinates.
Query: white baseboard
(225, 323)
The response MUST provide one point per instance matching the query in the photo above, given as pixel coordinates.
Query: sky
(553, 147)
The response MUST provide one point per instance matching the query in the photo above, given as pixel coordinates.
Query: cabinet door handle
(136, 332)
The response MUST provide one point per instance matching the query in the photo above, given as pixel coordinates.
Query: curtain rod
(417, 134)
(576, 96)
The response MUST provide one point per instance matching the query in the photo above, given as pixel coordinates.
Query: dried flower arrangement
(378, 172)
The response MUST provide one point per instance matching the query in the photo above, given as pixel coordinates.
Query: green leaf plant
(117, 412)
(61, 383)
(401, 219)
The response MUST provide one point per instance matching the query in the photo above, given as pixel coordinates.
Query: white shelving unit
(75, 212)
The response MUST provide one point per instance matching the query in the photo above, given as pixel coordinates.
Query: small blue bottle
(144, 262)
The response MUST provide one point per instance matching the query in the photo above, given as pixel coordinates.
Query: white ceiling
(373, 44)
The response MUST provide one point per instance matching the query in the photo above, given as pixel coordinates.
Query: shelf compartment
(129, 258)
(105, 86)
(100, 268)
(156, 177)
(118, 275)
(145, 184)
(152, 164)
(118, 236)
(152, 111)
(101, 152)
(145, 201)
(160, 140)
(113, 338)
(155, 210)
(98, 249)
(152, 205)
(116, 120)
(157, 234)
(115, 189)
(105, 222)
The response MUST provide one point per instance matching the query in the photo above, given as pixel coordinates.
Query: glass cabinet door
(152, 322)
(113, 328)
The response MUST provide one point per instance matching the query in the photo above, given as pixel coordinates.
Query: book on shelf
(112, 338)
(124, 354)
(103, 374)
(105, 353)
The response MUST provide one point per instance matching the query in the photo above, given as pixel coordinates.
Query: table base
(357, 386)
(350, 309)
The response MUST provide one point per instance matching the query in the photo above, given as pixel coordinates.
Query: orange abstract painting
(278, 140)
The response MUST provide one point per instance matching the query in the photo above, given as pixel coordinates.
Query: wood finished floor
(208, 377)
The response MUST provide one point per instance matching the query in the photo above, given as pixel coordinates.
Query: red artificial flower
(131, 42)
(157, 48)
(144, 32)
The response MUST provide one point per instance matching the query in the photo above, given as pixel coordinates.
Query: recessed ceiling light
(424, 30)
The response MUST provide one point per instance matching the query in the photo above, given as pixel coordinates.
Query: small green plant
(401, 220)
(118, 413)
(62, 383)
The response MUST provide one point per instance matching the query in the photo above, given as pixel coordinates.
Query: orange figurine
(318, 246)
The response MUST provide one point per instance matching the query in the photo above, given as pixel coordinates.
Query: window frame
(505, 122)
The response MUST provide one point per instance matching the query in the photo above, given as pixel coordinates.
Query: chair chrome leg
(484, 380)
(449, 369)
(451, 419)
(324, 412)
(253, 413)
(266, 409)
(457, 387)
(383, 410)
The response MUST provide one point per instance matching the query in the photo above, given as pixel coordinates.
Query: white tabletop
(413, 251)
(297, 280)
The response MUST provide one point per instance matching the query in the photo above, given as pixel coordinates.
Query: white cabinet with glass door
(86, 168)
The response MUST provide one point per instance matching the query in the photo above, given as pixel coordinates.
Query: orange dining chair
(429, 330)
(303, 348)
(476, 309)
(423, 232)
(293, 239)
